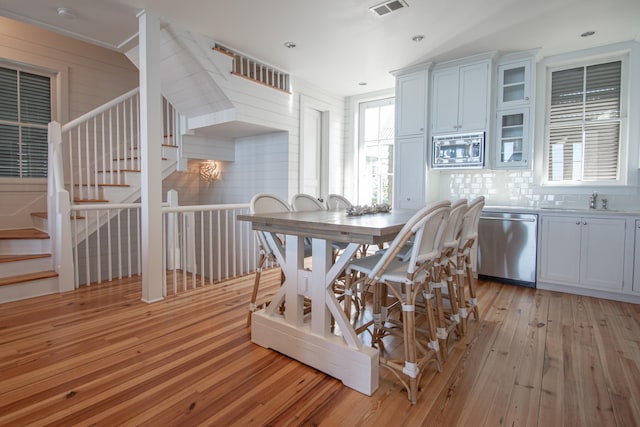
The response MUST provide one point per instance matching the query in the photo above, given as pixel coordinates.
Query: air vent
(388, 7)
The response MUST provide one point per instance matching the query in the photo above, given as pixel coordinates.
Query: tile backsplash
(519, 188)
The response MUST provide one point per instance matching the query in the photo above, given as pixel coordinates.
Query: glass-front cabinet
(512, 148)
(514, 109)
(514, 84)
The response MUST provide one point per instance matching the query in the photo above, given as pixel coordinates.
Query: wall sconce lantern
(209, 171)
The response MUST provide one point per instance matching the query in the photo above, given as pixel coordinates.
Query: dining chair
(464, 266)
(303, 202)
(265, 203)
(337, 202)
(406, 281)
(443, 284)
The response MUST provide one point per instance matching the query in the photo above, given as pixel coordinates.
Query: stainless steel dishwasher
(507, 247)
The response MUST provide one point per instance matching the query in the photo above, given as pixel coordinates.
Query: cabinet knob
(578, 222)
(526, 98)
(584, 222)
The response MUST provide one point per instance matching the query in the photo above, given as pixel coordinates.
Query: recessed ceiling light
(65, 12)
(587, 34)
(289, 45)
(417, 38)
(362, 83)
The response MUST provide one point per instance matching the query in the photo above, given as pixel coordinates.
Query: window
(584, 123)
(25, 111)
(376, 151)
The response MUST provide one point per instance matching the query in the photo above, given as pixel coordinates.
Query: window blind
(25, 111)
(584, 123)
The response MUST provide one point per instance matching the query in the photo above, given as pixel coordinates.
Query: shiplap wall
(87, 76)
(268, 162)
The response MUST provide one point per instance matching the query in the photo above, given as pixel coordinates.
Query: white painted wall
(86, 76)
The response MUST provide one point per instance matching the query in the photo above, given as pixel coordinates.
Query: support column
(150, 156)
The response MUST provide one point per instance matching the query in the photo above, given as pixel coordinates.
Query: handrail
(203, 208)
(101, 109)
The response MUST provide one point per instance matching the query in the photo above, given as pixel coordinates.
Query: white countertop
(559, 210)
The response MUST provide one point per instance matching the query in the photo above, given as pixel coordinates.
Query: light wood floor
(99, 356)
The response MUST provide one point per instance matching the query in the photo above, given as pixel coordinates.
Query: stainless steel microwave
(458, 151)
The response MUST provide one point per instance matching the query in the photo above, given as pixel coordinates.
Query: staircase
(101, 162)
(25, 264)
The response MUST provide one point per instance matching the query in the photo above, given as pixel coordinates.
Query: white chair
(336, 202)
(265, 203)
(406, 281)
(302, 202)
(464, 269)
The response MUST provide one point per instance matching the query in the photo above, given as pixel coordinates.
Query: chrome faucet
(604, 204)
(593, 199)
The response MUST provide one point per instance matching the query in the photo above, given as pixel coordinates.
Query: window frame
(585, 61)
(58, 86)
(361, 106)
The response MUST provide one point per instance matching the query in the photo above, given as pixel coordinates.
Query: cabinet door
(560, 249)
(474, 97)
(444, 106)
(410, 173)
(514, 84)
(411, 98)
(603, 253)
(512, 149)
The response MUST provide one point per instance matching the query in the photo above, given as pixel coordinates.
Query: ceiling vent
(388, 7)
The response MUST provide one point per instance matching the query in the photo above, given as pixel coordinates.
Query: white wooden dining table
(309, 339)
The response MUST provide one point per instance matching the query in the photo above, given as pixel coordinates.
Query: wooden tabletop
(335, 226)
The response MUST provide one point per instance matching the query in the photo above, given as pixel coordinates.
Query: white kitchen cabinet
(514, 84)
(411, 103)
(460, 98)
(512, 145)
(410, 172)
(584, 251)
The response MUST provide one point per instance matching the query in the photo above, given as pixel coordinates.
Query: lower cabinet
(409, 172)
(583, 251)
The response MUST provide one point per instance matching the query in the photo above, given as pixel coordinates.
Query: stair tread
(23, 233)
(45, 215)
(21, 257)
(77, 200)
(21, 278)
(121, 170)
(103, 185)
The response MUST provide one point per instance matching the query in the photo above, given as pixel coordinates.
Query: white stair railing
(104, 144)
(100, 146)
(202, 244)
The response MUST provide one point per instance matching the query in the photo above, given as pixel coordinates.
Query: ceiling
(341, 44)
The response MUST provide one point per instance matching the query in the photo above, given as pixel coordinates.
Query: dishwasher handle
(493, 218)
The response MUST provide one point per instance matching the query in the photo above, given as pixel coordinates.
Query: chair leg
(473, 301)
(410, 369)
(462, 302)
(256, 283)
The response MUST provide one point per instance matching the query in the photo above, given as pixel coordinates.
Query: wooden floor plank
(98, 355)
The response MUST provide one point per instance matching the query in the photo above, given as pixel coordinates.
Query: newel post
(151, 156)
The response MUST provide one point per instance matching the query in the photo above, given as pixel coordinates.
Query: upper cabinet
(514, 84)
(411, 106)
(511, 145)
(461, 98)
